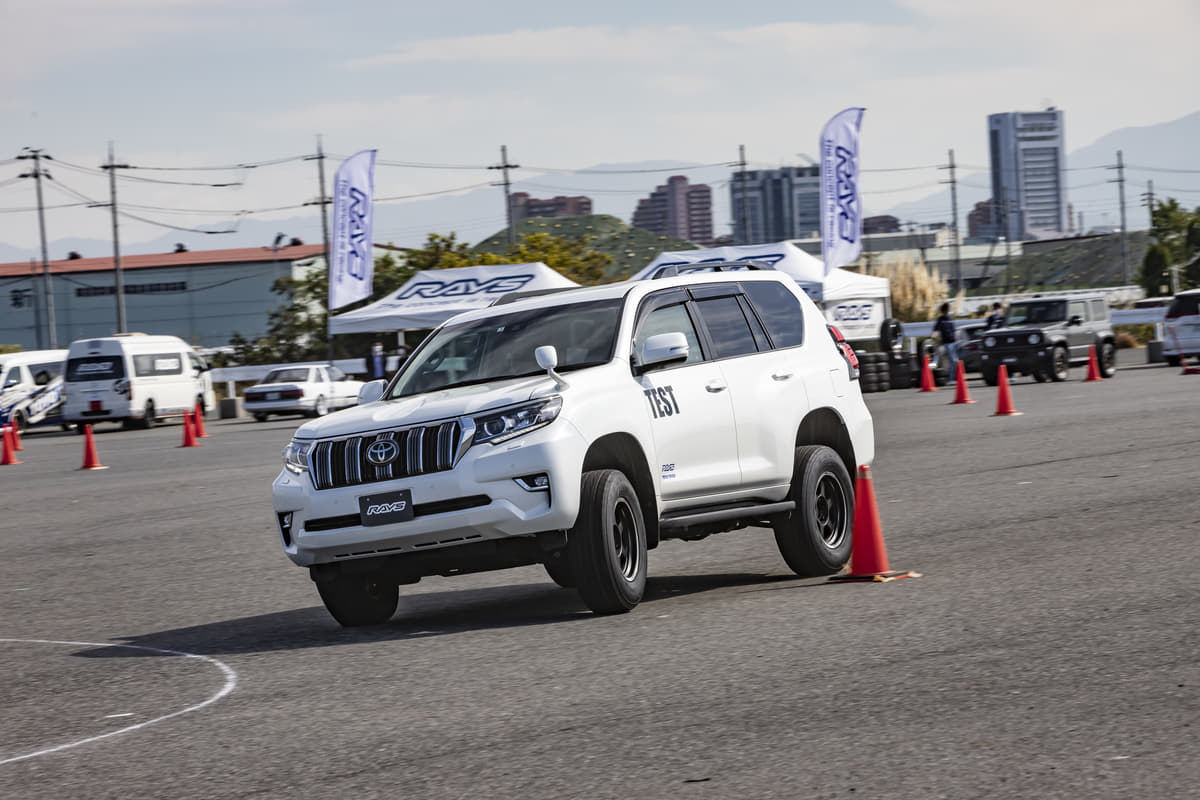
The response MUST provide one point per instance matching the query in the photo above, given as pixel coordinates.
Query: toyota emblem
(382, 452)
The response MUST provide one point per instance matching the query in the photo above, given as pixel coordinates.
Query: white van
(31, 388)
(135, 379)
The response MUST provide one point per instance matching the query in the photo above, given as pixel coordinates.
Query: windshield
(502, 346)
(286, 376)
(1033, 313)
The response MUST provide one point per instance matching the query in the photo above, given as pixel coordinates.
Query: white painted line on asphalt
(114, 716)
(230, 685)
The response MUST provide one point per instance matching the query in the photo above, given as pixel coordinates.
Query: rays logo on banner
(841, 207)
(352, 268)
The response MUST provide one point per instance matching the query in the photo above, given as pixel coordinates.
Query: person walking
(945, 328)
(996, 319)
(376, 363)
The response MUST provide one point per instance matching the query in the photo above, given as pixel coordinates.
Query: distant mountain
(1167, 145)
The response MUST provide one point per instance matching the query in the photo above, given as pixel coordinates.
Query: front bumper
(1025, 361)
(325, 526)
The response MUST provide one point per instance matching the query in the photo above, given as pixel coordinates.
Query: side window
(1098, 311)
(12, 377)
(779, 311)
(158, 364)
(669, 319)
(1077, 308)
(52, 368)
(335, 374)
(727, 326)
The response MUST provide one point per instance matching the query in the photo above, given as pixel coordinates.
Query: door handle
(715, 386)
(781, 376)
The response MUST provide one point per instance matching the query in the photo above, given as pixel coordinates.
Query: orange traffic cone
(868, 556)
(16, 436)
(90, 459)
(198, 417)
(961, 395)
(189, 432)
(1093, 366)
(1004, 403)
(8, 453)
(927, 382)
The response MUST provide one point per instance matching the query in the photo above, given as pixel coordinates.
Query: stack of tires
(874, 373)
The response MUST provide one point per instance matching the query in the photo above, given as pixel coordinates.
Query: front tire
(606, 548)
(558, 567)
(1061, 368)
(260, 417)
(359, 600)
(1107, 359)
(815, 538)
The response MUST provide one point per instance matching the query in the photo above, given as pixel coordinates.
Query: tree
(572, 257)
(1154, 270)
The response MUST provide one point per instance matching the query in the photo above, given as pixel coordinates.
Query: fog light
(534, 483)
(285, 527)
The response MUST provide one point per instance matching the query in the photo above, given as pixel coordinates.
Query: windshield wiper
(472, 382)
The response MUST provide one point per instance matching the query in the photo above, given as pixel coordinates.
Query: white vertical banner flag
(841, 207)
(352, 266)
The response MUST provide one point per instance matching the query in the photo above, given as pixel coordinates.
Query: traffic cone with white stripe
(868, 556)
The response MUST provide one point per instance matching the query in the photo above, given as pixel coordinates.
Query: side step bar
(686, 519)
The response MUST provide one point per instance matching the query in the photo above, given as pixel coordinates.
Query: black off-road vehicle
(1045, 336)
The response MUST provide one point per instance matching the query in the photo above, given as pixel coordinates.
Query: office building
(770, 205)
(523, 206)
(678, 209)
(1028, 173)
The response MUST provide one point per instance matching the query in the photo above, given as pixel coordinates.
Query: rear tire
(359, 600)
(815, 538)
(260, 417)
(607, 546)
(1062, 365)
(1172, 361)
(148, 419)
(321, 407)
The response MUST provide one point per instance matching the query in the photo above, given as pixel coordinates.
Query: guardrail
(1120, 316)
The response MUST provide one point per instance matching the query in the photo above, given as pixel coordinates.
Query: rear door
(688, 405)
(1183, 324)
(97, 386)
(1082, 336)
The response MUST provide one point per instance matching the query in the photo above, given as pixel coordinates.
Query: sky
(437, 88)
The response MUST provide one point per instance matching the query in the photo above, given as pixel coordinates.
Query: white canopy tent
(432, 296)
(856, 303)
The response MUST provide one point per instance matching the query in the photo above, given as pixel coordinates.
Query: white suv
(578, 429)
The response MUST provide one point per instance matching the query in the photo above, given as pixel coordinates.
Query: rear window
(779, 311)
(1184, 305)
(95, 368)
(157, 364)
(727, 326)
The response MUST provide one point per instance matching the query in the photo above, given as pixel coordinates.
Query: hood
(423, 408)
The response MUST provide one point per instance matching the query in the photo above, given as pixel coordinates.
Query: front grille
(422, 450)
(318, 524)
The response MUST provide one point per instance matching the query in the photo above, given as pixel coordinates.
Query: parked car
(31, 388)
(313, 391)
(1046, 336)
(578, 430)
(1183, 328)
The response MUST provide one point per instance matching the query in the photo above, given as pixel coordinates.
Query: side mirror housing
(371, 391)
(663, 348)
(1075, 320)
(547, 358)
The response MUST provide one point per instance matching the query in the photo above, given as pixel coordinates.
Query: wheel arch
(825, 426)
(620, 451)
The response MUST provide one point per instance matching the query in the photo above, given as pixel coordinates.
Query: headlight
(989, 341)
(503, 425)
(1034, 338)
(295, 456)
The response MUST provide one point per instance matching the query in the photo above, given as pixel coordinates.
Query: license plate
(272, 395)
(386, 508)
(1012, 360)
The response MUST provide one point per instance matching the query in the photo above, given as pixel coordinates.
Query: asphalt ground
(155, 642)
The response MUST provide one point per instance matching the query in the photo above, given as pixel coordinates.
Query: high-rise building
(1028, 173)
(523, 206)
(678, 209)
(770, 205)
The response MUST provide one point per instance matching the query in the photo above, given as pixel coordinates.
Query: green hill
(630, 248)
(1072, 264)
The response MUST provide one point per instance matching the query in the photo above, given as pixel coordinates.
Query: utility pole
(118, 280)
(37, 307)
(322, 201)
(954, 222)
(1148, 196)
(1120, 181)
(505, 166)
(743, 209)
(47, 287)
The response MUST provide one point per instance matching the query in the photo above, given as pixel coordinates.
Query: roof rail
(512, 297)
(672, 270)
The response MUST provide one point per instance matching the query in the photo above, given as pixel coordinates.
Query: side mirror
(371, 391)
(664, 348)
(547, 358)
(1075, 320)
